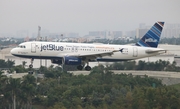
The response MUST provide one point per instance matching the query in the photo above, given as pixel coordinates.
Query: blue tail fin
(151, 38)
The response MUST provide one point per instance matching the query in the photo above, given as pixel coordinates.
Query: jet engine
(56, 61)
(71, 60)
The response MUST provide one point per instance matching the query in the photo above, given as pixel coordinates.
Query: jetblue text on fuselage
(52, 47)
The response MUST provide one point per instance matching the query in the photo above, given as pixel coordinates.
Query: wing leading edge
(88, 54)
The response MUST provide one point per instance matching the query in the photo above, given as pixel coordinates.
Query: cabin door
(33, 47)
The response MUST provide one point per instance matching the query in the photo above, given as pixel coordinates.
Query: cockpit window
(21, 46)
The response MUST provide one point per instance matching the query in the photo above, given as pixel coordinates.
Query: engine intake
(56, 61)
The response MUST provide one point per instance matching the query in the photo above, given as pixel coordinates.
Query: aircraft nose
(13, 51)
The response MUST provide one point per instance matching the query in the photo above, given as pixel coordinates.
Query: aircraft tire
(30, 72)
(30, 66)
(79, 67)
(88, 68)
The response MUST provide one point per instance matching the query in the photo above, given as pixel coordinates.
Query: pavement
(167, 78)
(140, 73)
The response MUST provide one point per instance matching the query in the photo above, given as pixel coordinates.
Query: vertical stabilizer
(152, 37)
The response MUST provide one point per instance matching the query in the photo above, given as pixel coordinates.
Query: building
(169, 31)
(105, 34)
(140, 33)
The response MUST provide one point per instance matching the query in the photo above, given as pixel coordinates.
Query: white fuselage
(57, 50)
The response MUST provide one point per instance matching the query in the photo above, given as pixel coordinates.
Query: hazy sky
(82, 16)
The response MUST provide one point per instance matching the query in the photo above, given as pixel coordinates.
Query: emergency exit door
(135, 52)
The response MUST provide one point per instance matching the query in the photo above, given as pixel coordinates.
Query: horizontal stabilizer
(154, 51)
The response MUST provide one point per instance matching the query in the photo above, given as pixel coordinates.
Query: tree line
(159, 65)
(101, 89)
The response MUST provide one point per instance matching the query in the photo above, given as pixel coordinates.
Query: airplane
(80, 54)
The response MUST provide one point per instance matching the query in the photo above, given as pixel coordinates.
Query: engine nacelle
(71, 60)
(56, 61)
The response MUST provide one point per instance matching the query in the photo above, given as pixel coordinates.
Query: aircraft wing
(92, 54)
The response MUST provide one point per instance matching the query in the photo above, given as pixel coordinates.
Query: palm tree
(2, 63)
(14, 87)
(10, 63)
(24, 64)
(2, 79)
(3, 94)
(29, 88)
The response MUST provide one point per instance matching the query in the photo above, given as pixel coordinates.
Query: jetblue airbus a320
(80, 54)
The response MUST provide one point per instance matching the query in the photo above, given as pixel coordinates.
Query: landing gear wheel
(88, 68)
(79, 67)
(30, 66)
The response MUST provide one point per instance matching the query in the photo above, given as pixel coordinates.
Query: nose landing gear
(31, 65)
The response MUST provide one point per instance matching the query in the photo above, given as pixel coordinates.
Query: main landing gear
(88, 68)
(80, 67)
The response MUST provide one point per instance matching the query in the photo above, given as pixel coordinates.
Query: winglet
(151, 38)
